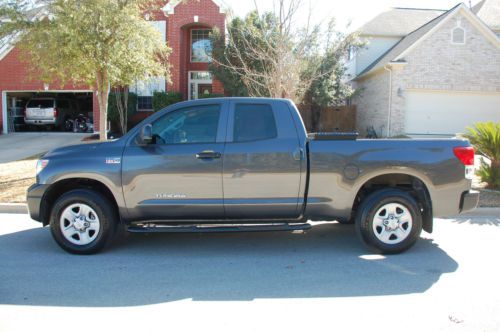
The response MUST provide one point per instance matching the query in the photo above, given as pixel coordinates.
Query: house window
(201, 45)
(458, 36)
(145, 103)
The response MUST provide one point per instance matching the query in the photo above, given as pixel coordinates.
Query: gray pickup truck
(245, 164)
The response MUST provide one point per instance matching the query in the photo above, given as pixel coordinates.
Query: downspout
(389, 113)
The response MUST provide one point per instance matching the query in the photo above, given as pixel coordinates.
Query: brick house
(428, 72)
(185, 26)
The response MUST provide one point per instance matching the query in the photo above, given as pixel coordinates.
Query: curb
(18, 208)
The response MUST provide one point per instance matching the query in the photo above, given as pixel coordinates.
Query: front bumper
(34, 197)
(469, 200)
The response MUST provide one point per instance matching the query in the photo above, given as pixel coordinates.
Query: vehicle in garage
(244, 164)
(50, 112)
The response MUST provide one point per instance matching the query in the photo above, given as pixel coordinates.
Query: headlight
(40, 165)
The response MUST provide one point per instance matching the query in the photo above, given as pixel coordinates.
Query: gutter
(389, 113)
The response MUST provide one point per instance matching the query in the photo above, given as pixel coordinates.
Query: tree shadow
(481, 221)
(327, 261)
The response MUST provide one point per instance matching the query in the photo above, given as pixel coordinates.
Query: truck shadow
(327, 261)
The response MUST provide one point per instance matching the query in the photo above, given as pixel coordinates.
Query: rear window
(253, 122)
(41, 103)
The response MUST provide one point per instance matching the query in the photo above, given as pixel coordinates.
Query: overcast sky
(356, 11)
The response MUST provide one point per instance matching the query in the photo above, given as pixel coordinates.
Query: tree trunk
(102, 97)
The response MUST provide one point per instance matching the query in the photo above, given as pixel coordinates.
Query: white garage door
(448, 113)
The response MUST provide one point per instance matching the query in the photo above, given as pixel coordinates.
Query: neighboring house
(489, 12)
(427, 72)
(185, 26)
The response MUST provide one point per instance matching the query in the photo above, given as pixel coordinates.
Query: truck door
(179, 175)
(262, 162)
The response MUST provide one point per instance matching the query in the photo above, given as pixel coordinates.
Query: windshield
(40, 103)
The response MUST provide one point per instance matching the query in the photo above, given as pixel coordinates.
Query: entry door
(262, 162)
(179, 175)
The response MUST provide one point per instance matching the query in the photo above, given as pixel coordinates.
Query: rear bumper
(40, 121)
(34, 198)
(469, 200)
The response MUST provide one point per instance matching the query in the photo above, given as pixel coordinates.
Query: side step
(159, 228)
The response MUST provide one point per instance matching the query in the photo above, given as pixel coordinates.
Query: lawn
(15, 178)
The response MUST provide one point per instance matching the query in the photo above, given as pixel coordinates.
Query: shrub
(485, 137)
(164, 99)
(212, 95)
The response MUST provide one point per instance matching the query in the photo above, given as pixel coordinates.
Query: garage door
(448, 113)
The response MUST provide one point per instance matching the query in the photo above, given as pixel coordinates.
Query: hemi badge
(113, 160)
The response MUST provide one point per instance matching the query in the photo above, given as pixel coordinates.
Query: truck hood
(83, 149)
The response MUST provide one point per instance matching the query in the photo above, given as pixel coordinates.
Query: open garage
(47, 111)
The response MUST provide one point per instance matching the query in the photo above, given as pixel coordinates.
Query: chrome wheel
(79, 224)
(392, 223)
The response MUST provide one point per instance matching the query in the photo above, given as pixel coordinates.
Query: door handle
(208, 154)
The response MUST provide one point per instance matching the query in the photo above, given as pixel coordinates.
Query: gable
(398, 52)
(169, 8)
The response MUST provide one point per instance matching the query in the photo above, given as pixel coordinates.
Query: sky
(357, 12)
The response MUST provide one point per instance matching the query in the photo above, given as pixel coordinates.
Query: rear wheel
(83, 222)
(389, 221)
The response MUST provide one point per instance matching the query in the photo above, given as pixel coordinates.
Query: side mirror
(146, 135)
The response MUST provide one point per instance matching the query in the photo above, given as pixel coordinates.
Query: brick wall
(434, 64)
(16, 76)
(179, 26)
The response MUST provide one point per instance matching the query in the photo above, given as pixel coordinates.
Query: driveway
(321, 280)
(17, 146)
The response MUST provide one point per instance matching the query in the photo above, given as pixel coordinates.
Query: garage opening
(49, 111)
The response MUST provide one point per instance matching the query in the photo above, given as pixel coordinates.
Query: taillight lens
(55, 112)
(465, 154)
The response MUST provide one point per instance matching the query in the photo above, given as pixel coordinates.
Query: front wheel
(83, 222)
(389, 221)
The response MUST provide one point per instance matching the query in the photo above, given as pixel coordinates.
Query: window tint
(253, 122)
(40, 103)
(196, 124)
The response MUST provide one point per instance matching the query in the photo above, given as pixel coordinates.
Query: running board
(158, 228)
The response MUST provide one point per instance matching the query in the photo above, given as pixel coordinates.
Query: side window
(253, 122)
(197, 124)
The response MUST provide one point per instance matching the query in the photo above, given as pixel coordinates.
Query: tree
(102, 43)
(267, 55)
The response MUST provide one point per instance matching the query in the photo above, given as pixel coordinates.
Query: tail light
(466, 156)
(55, 112)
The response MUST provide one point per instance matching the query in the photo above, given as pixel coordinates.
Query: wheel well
(61, 187)
(411, 184)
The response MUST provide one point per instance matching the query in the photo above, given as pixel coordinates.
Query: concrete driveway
(17, 146)
(323, 280)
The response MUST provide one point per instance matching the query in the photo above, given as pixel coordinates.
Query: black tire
(366, 215)
(349, 221)
(106, 214)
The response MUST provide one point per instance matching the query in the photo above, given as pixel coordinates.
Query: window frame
(452, 35)
(232, 122)
(191, 44)
(220, 122)
(144, 109)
